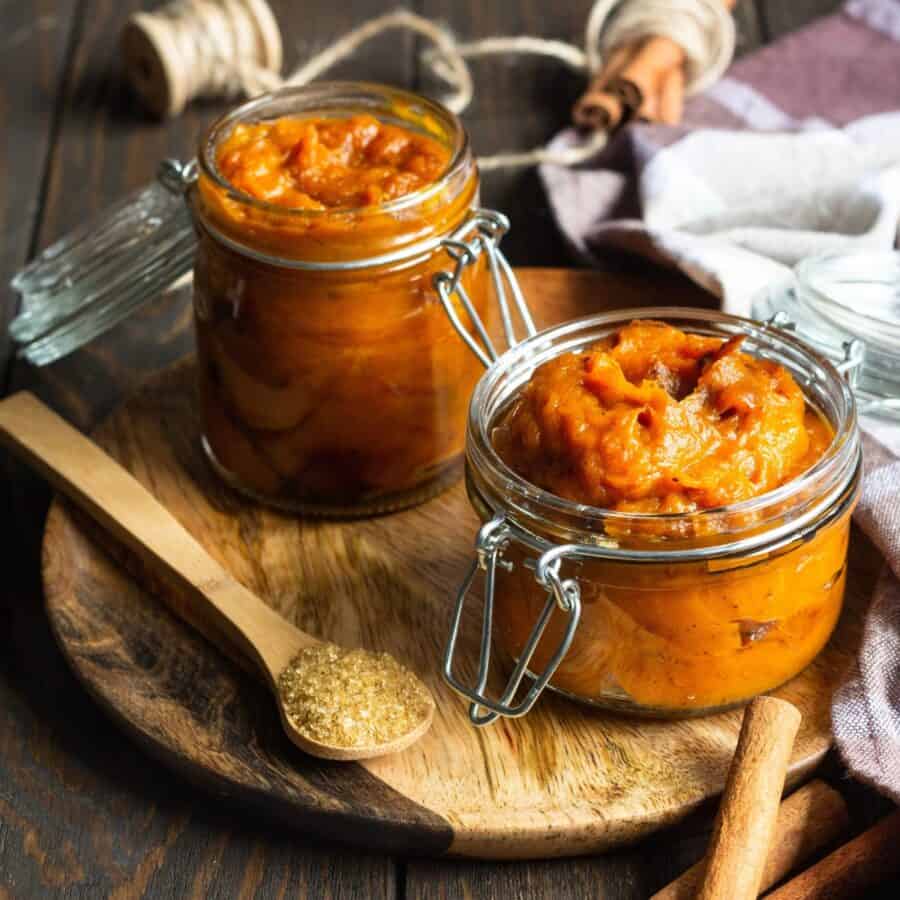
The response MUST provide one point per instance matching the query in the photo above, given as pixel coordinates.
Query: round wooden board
(565, 780)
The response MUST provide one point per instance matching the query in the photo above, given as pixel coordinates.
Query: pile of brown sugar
(351, 697)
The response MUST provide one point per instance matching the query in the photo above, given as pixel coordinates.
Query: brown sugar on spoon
(352, 697)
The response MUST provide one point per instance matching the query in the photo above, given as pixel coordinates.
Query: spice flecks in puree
(329, 163)
(654, 420)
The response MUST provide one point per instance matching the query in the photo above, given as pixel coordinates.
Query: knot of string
(230, 48)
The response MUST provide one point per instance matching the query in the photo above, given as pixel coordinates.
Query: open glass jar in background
(658, 614)
(332, 380)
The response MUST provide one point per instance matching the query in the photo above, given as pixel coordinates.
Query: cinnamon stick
(646, 69)
(654, 68)
(671, 97)
(851, 870)
(745, 823)
(810, 819)
(601, 108)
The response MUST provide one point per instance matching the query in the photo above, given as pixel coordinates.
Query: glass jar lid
(105, 270)
(847, 306)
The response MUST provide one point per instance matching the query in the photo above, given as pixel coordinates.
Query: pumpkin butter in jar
(332, 380)
(695, 480)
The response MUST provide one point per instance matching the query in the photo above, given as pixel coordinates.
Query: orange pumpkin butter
(654, 420)
(321, 163)
(659, 421)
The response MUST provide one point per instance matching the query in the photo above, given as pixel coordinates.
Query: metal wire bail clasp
(562, 594)
(176, 176)
(482, 233)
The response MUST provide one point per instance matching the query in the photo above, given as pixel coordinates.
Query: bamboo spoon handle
(746, 820)
(78, 468)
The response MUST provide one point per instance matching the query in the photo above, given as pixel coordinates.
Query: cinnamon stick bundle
(809, 820)
(645, 81)
(851, 870)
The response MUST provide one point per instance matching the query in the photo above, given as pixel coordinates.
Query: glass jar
(847, 306)
(335, 374)
(332, 380)
(658, 614)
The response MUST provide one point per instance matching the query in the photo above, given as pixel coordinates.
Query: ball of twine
(189, 49)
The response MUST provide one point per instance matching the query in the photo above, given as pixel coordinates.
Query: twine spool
(215, 48)
(201, 48)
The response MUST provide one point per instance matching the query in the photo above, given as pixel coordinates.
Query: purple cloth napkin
(865, 713)
(795, 151)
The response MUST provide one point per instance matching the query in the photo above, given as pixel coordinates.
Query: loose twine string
(231, 48)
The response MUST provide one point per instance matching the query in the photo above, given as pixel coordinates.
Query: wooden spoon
(213, 601)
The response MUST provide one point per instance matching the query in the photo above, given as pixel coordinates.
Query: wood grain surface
(84, 813)
(562, 781)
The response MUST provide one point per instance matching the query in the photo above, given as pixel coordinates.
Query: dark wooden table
(83, 813)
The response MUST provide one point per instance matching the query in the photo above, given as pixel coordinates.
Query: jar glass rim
(326, 93)
(517, 364)
(819, 275)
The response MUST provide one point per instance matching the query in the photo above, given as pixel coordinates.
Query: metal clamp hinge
(562, 594)
(481, 235)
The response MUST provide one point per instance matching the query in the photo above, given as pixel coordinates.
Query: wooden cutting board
(565, 780)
